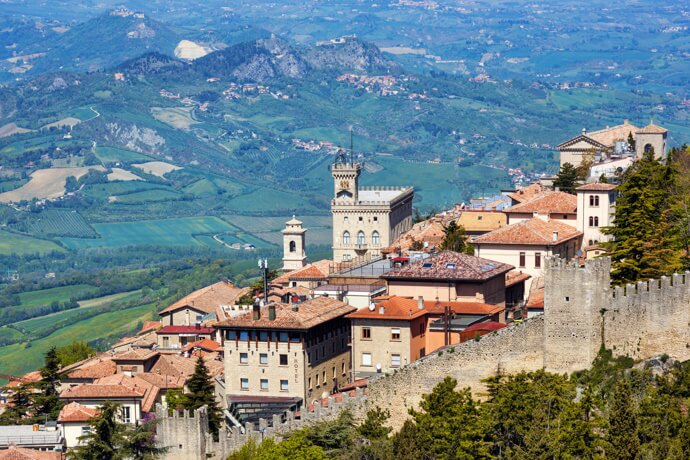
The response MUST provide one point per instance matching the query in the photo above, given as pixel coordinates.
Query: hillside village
(394, 292)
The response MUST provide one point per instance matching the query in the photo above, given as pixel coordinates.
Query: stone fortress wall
(581, 312)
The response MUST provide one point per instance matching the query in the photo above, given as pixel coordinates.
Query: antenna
(352, 149)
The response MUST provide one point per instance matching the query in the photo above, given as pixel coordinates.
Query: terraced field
(165, 232)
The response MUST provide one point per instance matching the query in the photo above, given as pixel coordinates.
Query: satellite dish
(372, 306)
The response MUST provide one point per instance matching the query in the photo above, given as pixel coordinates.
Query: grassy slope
(59, 294)
(13, 243)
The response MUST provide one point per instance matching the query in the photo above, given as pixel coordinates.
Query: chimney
(420, 302)
(295, 307)
(558, 189)
(382, 310)
(272, 312)
(555, 236)
(584, 131)
(256, 312)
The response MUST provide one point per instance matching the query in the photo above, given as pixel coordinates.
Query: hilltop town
(315, 337)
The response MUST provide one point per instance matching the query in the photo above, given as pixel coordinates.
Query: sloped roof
(149, 326)
(163, 381)
(530, 232)
(547, 202)
(310, 313)
(391, 308)
(185, 330)
(608, 136)
(430, 231)
(478, 221)
(526, 193)
(208, 298)
(135, 384)
(135, 354)
(596, 187)
(449, 265)
(205, 344)
(651, 128)
(513, 277)
(94, 368)
(581, 138)
(101, 391)
(486, 326)
(20, 453)
(314, 271)
(178, 365)
(75, 412)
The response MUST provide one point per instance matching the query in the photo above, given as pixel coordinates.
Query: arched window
(648, 148)
(293, 246)
(346, 238)
(360, 237)
(596, 221)
(375, 238)
(593, 221)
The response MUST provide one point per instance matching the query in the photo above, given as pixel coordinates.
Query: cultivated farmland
(14, 243)
(57, 222)
(157, 168)
(122, 175)
(45, 183)
(164, 232)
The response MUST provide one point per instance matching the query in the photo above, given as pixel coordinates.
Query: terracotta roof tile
(609, 136)
(205, 344)
(407, 308)
(135, 384)
(449, 265)
(100, 391)
(94, 368)
(186, 330)
(21, 453)
(162, 381)
(596, 187)
(651, 128)
(178, 365)
(149, 326)
(526, 193)
(314, 271)
(429, 231)
(547, 203)
(480, 221)
(75, 412)
(463, 308)
(135, 354)
(530, 232)
(208, 298)
(310, 313)
(486, 326)
(513, 277)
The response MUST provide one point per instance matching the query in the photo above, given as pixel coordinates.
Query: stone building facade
(367, 219)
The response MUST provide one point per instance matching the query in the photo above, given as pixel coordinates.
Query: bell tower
(345, 174)
(294, 242)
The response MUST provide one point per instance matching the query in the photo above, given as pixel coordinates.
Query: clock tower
(345, 174)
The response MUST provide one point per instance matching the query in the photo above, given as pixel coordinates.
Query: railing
(38, 439)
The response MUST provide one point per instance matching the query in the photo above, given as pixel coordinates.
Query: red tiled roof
(407, 308)
(94, 368)
(513, 277)
(149, 326)
(179, 365)
(20, 453)
(100, 391)
(487, 326)
(449, 265)
(164, 382)
(547, 203)
(314, 271)
(135, 354)
(208, 298)
(526, 193)
(135, 384)
(310, 313)
(530, 232)
(596, 187)
(204, 344)
(185, 330)
(75, 412)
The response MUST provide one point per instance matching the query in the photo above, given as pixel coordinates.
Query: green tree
(566, 179)
(139, 442)
(104, 440)
(622, 440)
(643, 246)
(374, 425)
(19, 407)
(631, 142)
(417, 245)
(201, 393)
(449, 424)
(455, 239)
(47, 401)
(74, 352)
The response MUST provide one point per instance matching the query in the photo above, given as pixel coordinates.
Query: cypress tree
(18, 408)
(201, 393)
(623, 442)
(455, 239)
(47, 402)
(566, 179)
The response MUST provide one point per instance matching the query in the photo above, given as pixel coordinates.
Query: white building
(366, 220)
(294, 242)
(596, 206)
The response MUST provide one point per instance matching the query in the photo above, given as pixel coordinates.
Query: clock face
(344, 184)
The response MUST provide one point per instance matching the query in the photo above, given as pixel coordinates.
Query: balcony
(360, 246)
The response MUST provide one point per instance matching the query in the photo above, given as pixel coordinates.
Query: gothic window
(346, 238)
(360, 237)
(293, 246)
(375, 238)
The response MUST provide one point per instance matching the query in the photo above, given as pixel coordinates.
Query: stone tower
(345, 174)
(574, 300)
(651, 136)
(294, 242)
